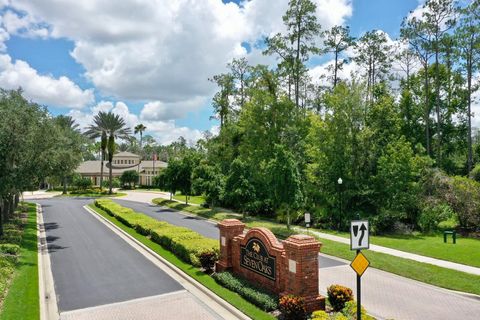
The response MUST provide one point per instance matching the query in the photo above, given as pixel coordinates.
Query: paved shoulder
(92, 266)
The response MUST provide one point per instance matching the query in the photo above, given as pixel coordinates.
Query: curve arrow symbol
(362, 229)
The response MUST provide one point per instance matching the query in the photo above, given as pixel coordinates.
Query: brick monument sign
(288, 267)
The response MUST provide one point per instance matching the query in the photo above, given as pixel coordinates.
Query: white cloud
(43, 89)
(23, 25)
(164, 51)
(157, 110)
(165, 132)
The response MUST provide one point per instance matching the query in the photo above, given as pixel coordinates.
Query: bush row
(9, 251)
(186, 244)
(262, 299)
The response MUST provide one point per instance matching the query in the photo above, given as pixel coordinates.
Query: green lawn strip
(229, 296)
(92, 195)
(438, 276)
(22, 300)
(465, 251)
(434, 275)
(191, 199)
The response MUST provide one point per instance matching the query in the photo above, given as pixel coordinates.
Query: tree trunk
(64, 185)
(101, 170)
(427, 113)
(16, 199)
(288, 218)
(2, 211)
(469, 97)
(297, 66)
(186, 199)
(335, 70)
(437, 110)
(110, 176)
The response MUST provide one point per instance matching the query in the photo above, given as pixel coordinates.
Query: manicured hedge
(184, 243)
(262, 299)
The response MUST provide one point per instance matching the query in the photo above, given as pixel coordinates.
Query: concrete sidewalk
(402, 254)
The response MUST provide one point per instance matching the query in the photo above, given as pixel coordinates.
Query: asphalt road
(91, 265)
(198, 224)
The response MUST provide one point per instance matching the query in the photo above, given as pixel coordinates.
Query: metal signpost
(359, 239)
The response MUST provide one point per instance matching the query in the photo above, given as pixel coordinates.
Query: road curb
(48, 297)
(237, 313)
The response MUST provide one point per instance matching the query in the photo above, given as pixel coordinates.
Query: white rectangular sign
(359, 235)
(307, 217)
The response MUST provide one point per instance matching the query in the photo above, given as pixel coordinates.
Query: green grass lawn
(229, 296)
(22, 300)
(191, 199)
(465, 251)
(427, 273)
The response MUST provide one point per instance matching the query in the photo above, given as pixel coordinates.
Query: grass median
(438, 276)
(22, 299)
(229, 296)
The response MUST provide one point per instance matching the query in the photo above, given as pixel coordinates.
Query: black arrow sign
(363, 229)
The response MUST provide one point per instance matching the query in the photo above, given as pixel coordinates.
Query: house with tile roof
(122, 161)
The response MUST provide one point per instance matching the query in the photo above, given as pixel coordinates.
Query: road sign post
(307, 220)
(359, 239)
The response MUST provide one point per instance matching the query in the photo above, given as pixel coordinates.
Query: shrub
(12, 236)
(350, 311)
(433, 214)
(8, 248)
(292, 307)
(82, 183)
(339, 295)
(320, 315)
(207, 260)
(262, 299)
(184, 243)
(115, 183)
(449, 224)
(475, 173)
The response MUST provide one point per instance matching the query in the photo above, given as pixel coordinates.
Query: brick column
(229, 228)
(301, 279)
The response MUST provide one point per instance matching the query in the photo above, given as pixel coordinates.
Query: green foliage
(184, 243)
(475, 173)
(82, 183)
(208, 180)
(207, 260)
(292, 307)
(433, 214)
(115, 183)
(264, 300)
(9, 248)
(338, 296)
(350, 311)
(129, 177)
(460, 193)
(239, 191)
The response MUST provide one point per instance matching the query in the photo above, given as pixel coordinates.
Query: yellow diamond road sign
(360, 264)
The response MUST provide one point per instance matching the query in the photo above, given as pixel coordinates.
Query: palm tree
(98, 130)
(139, 128)
(108, 124)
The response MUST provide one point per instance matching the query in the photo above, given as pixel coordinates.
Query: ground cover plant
(19, 271)
(259, 297)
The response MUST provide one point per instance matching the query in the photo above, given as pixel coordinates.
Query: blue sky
(100, 60)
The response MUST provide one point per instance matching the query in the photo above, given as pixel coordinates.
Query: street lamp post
(340, 182)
